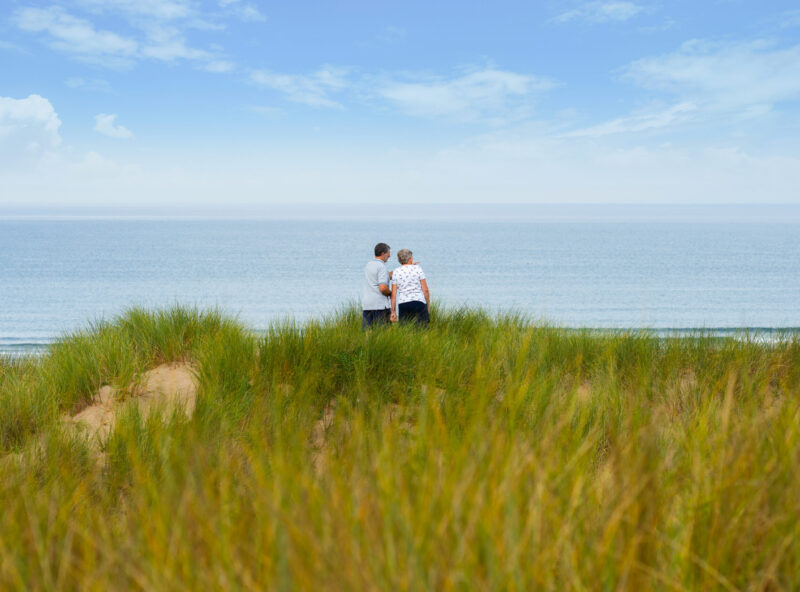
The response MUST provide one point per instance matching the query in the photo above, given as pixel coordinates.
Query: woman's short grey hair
(404, 256)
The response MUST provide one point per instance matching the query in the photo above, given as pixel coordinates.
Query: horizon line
(776, 212)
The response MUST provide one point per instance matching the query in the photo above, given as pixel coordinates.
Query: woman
(410, 291)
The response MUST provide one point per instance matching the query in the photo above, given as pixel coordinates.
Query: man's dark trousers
(375, 317)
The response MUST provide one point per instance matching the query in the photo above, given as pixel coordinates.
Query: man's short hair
(381, 248)
(404, 256)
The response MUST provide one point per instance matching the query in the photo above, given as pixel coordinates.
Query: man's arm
(393, 316)
(383, 281)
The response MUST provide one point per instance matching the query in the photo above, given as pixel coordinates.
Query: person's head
(382, 251)
(404, 256)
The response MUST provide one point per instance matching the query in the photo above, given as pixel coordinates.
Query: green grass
(483, 453)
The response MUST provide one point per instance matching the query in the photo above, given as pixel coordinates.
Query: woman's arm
(424, 285)
(393, 316)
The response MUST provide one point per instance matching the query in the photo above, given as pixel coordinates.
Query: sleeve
(420, 273)
(383, 276)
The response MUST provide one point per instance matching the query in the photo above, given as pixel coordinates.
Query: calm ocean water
(56, 275)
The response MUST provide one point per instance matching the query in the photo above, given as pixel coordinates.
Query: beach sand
(167, 387)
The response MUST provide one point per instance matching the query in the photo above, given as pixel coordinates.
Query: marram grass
(484, 453)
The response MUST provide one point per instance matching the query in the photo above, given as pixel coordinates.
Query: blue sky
(242, 102)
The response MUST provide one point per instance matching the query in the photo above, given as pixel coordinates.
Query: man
(375, 302)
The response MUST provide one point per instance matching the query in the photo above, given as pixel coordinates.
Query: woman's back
(408, 278)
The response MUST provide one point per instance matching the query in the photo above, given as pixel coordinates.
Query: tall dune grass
(482, 453)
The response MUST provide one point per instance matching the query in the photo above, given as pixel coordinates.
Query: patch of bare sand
(167, 387)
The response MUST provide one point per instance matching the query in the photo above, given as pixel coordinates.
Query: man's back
(375, 274)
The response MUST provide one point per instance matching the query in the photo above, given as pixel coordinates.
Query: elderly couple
(409, 290)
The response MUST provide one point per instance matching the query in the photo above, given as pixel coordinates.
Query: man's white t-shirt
(407, 278)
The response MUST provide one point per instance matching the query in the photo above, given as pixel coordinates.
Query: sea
(655, 272)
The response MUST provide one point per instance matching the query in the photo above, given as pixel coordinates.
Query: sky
(393, 104)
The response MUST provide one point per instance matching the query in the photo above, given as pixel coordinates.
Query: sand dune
(167, 387)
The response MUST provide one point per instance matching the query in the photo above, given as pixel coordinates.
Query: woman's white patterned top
(407, 278)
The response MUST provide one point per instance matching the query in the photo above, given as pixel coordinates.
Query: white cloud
(29, 130)
(730, 76)
(161, 23)
(88, 84)
(157, 9)
(144, 14)
(77, 36)
(602, 12)
(219, 66)
(486, 95)
(104, 124)
(712, 82)
(37, 169)
(650, 119)
(313, 89)
(245, 11)
(166, 43)
(250, 13)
